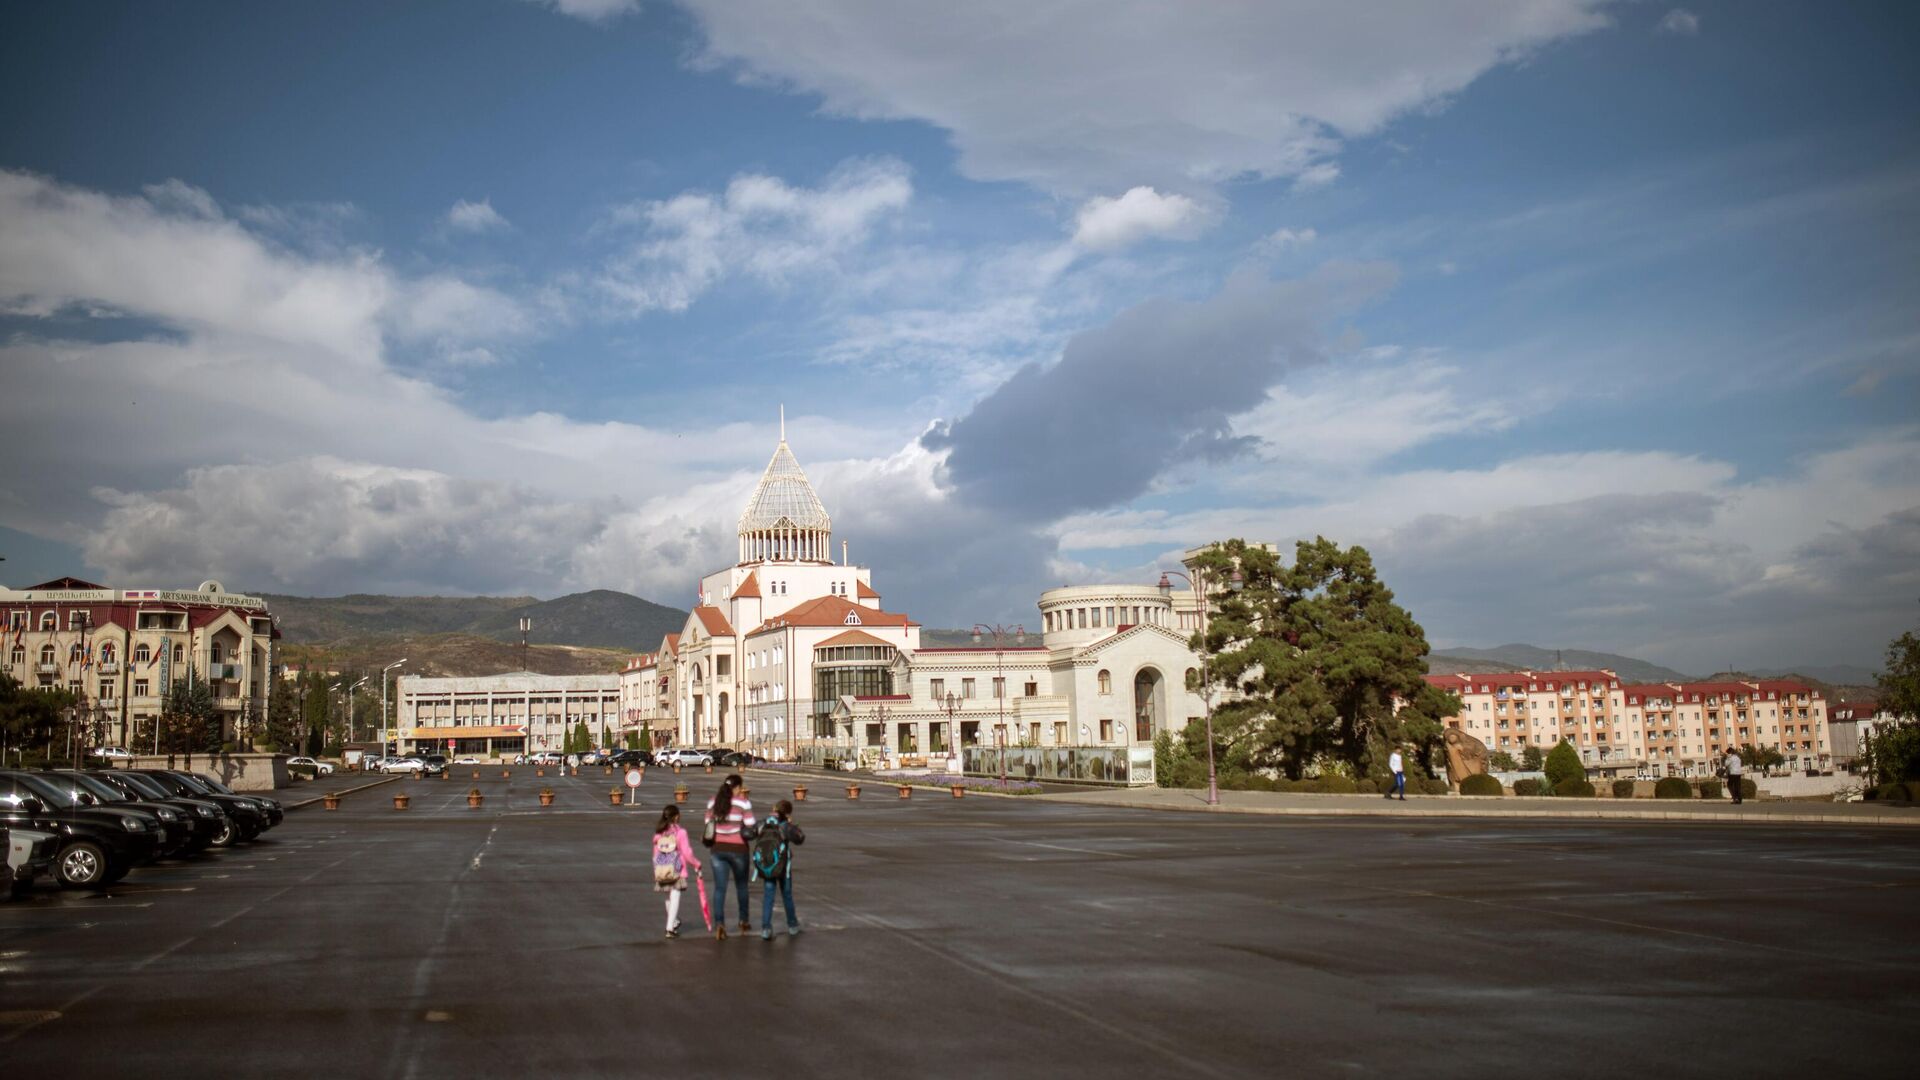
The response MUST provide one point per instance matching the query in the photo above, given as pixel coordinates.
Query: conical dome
(785, 519)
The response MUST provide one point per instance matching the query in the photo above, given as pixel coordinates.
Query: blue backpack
(772, 858)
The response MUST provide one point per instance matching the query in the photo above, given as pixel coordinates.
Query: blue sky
(1591, 320)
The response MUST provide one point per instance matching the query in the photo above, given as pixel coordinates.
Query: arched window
(179, 654)
(47, 621)
(1106, 681)
(142, 654)
(106, 653)
(76, 653)
(19, 655)
(46, 654)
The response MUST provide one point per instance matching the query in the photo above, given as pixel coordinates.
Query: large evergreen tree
(189, 722)
(283, 719)
(1318, 660)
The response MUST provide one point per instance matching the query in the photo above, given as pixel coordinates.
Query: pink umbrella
(706, 912)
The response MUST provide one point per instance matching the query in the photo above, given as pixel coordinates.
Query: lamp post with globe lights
(999, 634)
(1236, 581)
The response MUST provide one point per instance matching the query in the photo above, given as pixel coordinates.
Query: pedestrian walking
(1736, 771)
(773, 848)
(673, 863)
(730, 822)
(1399, 770)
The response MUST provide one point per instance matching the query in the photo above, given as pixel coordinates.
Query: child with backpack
(773, 864)
(673, 863)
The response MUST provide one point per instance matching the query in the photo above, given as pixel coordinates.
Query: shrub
(1480, 784)
(1563, 764)
(1338, 785)
(1427, 785)
(1749, 789)
(1573, 788)
(1891, 793)
(1529, 786)
(1673, 787)
(1366, 787)
(1710, 789)
(1623, 789)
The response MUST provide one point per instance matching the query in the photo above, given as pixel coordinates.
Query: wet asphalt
(977, 936)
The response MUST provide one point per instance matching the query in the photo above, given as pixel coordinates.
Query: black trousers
(1733, 784)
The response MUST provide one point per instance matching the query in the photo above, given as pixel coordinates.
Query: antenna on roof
(783, 422)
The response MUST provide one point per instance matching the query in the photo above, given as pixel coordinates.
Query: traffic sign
(633, 778)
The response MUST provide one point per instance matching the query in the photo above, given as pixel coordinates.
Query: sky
(1592, 321)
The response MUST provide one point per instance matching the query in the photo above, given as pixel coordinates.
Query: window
(46, 654)
(1059, 733)
(78, 619)
(1082, 617)
(851, 619)
(106, 689)
(1033, 689)
(1110, 621)
(48, 622)
(140, 688)
(1106, 681)
(1106, 731)
(966, 688)
(999, 688)
(938, 688)
(1033, 733)
(722, 666)
(179, 655)
(19, 655)
(75, 654)
(16, 620)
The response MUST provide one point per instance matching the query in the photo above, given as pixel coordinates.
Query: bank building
(793, 654)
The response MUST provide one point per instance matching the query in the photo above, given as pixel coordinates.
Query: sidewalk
(1433, 806)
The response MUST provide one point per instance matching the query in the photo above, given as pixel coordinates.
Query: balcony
(108, 667)
(46, 669)
(223, 672)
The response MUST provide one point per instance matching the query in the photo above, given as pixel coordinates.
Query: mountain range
(1518, 657)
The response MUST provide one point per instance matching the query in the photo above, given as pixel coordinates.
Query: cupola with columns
(785, 521)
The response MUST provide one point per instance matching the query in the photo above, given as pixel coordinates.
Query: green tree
(1563, 763)
(1503, 761)
(646, 738)
(1900, 683)
(1530, 759)
(1892, 751)
(631, 740)
(189, 722)
(314, 711)
(1761, 758)
(283, 718)
(30, 721)
(581, 740)
(1321, 659)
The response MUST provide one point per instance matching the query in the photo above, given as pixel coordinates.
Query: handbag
(706, 834)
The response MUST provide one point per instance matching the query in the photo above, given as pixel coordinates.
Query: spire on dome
(784, 520)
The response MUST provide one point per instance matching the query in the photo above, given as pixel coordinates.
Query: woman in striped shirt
(729, 826)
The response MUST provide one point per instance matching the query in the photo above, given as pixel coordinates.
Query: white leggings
(673, 908)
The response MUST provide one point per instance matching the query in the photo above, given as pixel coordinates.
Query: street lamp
(1236, 581)
(351, 733)
(999, 634)
(383, 707)
(953, 726)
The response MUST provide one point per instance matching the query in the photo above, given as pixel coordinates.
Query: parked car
(25, 855)
(540, 757)
(321, 767)
(738, 759)
(97, 845)
(592, 757)
(176, 828)
(435, 763)
(685, 755)
(403, 765)
(623, 758)
(111, 753)
(213, 826)
(270, 806)
(249, 817)
(468, 759)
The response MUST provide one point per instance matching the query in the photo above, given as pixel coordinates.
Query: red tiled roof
(865, 591)
(714, 620)
(1471, 682)
(749, 587)
(833, 611)
(671, 643)
(853, 637)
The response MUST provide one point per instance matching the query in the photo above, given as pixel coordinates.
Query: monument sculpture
(1466, 756)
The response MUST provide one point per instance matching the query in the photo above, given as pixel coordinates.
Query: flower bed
(971, 783)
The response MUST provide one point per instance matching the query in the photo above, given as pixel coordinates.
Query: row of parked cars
(84, 828)
(682, 755)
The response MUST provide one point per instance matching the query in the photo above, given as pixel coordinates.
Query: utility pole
(526, 624)
(383, 707)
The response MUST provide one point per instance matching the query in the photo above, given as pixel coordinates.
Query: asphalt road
(985, 936)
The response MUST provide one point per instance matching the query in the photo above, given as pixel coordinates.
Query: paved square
(975, 937)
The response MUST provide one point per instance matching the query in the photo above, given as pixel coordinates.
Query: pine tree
(646, 738)
(580, 741)
(1563, 763)
(189, 722)
(283, 722)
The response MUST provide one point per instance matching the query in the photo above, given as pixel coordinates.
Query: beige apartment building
(1643, 730)
(120, 650)
(504, 714)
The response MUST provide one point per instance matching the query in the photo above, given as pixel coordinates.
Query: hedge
(1574, 788)
(1528, 786)
(1623, 789)
(1895, 792)
(1338, 785)
(1748, 789)
(1427, 785)
(1367, 787)
(1710, 789)
(1480, 784)
(1673, 787)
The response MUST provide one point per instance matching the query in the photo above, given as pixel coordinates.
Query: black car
(738, 759)
(177, 829)
(623, 758)
(97, 845)
(275, 813)
(208, 821)
(249, 818)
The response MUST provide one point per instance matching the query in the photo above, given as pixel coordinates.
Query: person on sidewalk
(673, 863)
(1399, 770)
(730, 822)
(773, 863)
(1736, 771)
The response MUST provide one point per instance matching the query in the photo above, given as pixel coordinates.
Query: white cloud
(1088, 96)
(1283, 240)
(761, 227)
(1109, 225)
(593, 10)
(475, 217)
(1317, 175)
(1679, 22)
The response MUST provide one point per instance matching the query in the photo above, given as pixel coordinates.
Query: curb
(1526, 815)
(342, 791)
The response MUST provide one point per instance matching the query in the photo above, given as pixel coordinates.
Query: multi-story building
(504, 714)
(121, 650)
(1848, 725)
(1651, 729)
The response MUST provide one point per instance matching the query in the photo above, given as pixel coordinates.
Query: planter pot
(800, 793)
(546, 798)
(614, 796)
(676, 770)
(680, 795)
(474, 800)
(959, 792)
(853, 791)
(906, 792)
(505, 773)
(709, 769)
(576, 770)
(539, 772)
(330, 801)
(400, 801)
(446, 774)
(476, 774)
(609, 770)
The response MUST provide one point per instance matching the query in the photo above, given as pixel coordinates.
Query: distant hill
(601, 619)
(1533, 658)
(447, 654)
(1832, 674)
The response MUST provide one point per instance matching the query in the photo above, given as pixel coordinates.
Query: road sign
(633, 778)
